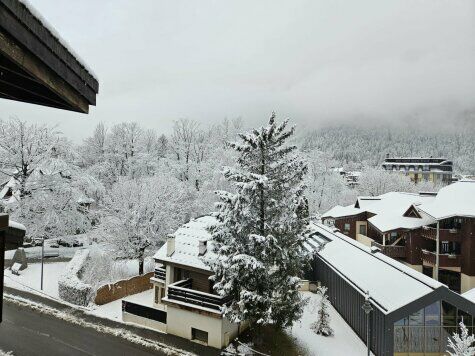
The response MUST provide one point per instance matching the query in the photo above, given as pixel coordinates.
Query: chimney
(387, 155)
(202, 247)
(170, 245)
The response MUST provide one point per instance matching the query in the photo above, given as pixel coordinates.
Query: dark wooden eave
(36, 68)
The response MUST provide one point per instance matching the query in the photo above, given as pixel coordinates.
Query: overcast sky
(313, 61)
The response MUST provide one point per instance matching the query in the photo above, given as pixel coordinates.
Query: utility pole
(436, 272)
(42, 261)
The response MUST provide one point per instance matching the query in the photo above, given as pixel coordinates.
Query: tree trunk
(141, 261)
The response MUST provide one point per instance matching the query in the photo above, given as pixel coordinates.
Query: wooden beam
(18, 23)
(34, 67)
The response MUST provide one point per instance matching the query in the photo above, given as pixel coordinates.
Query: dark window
(199, 335)
(363, 229)
(432, 314)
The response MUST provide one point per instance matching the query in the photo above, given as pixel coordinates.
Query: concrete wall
(365, 240)
(220, 331)
(466, 282)
(418, 268)
(149, 323)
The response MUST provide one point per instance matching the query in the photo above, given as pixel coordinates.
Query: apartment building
(421, 230)
(436, 170)
(411, 314)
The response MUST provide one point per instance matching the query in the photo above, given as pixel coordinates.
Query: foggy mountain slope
(368, 144)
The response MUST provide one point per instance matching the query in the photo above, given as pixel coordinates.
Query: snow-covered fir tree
(462, 344)
(322, 325)
(259, 236)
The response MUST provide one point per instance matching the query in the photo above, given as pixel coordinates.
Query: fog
(314, 61)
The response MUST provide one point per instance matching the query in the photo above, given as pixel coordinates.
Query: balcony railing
(160, 273)
(444, 234)
(391, 251)
(181, 292)
(445, 260)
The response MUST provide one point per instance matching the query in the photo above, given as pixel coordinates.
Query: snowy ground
(301, 340)
(30, 278)
(344, 342)
(113, 310)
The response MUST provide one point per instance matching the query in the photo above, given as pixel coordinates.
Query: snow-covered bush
(462, 345)
(101, 268)
(70, 286)
(322, 325)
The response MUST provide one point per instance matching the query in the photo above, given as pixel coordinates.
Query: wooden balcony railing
(181, 291)
(444, 234)
(391, 251)
(160, 273)
(445, 260)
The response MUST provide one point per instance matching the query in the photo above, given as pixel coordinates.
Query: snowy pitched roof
(187, 239)
(339, 211)
(388, 209)
(457, 199)
(371, 271)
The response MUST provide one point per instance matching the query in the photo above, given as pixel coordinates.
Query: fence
(144, 312)
(123, 288)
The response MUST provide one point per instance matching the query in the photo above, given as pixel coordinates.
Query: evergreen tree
(461, 345)
(322, 325)
(260, 232)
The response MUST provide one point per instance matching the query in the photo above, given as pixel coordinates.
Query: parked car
(54, 244)
(37, 242)
(65, 242)
(77, 243)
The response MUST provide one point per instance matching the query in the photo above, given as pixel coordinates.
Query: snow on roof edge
(36, 14)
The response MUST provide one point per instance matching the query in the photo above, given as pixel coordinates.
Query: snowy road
(26, 332)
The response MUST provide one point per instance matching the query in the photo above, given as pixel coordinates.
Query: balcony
(445, 260)
(160, 273)
(444, 234)
(181, 293)
(391, 251)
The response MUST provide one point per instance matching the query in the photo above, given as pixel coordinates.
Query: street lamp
(367, 309)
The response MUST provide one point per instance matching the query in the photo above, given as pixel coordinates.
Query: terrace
(391, 250)
(444, 234)
(181, 293)
(445, 260)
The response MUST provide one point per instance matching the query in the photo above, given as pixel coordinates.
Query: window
(199, 335)
(347, 227)
(393, 234)
(363, 229)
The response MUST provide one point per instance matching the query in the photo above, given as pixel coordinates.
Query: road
(26, 332)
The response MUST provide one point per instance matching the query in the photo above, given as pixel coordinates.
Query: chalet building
(421, 230)
(183, 291)
(436, 170)
(411, 314)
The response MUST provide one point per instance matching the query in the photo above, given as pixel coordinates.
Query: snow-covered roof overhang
(454, 200)
(37, 66)
(369, 270)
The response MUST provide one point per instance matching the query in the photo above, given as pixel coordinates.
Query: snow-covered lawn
(345, 342)
(30, 278)
(301, 339)
(113, 310)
